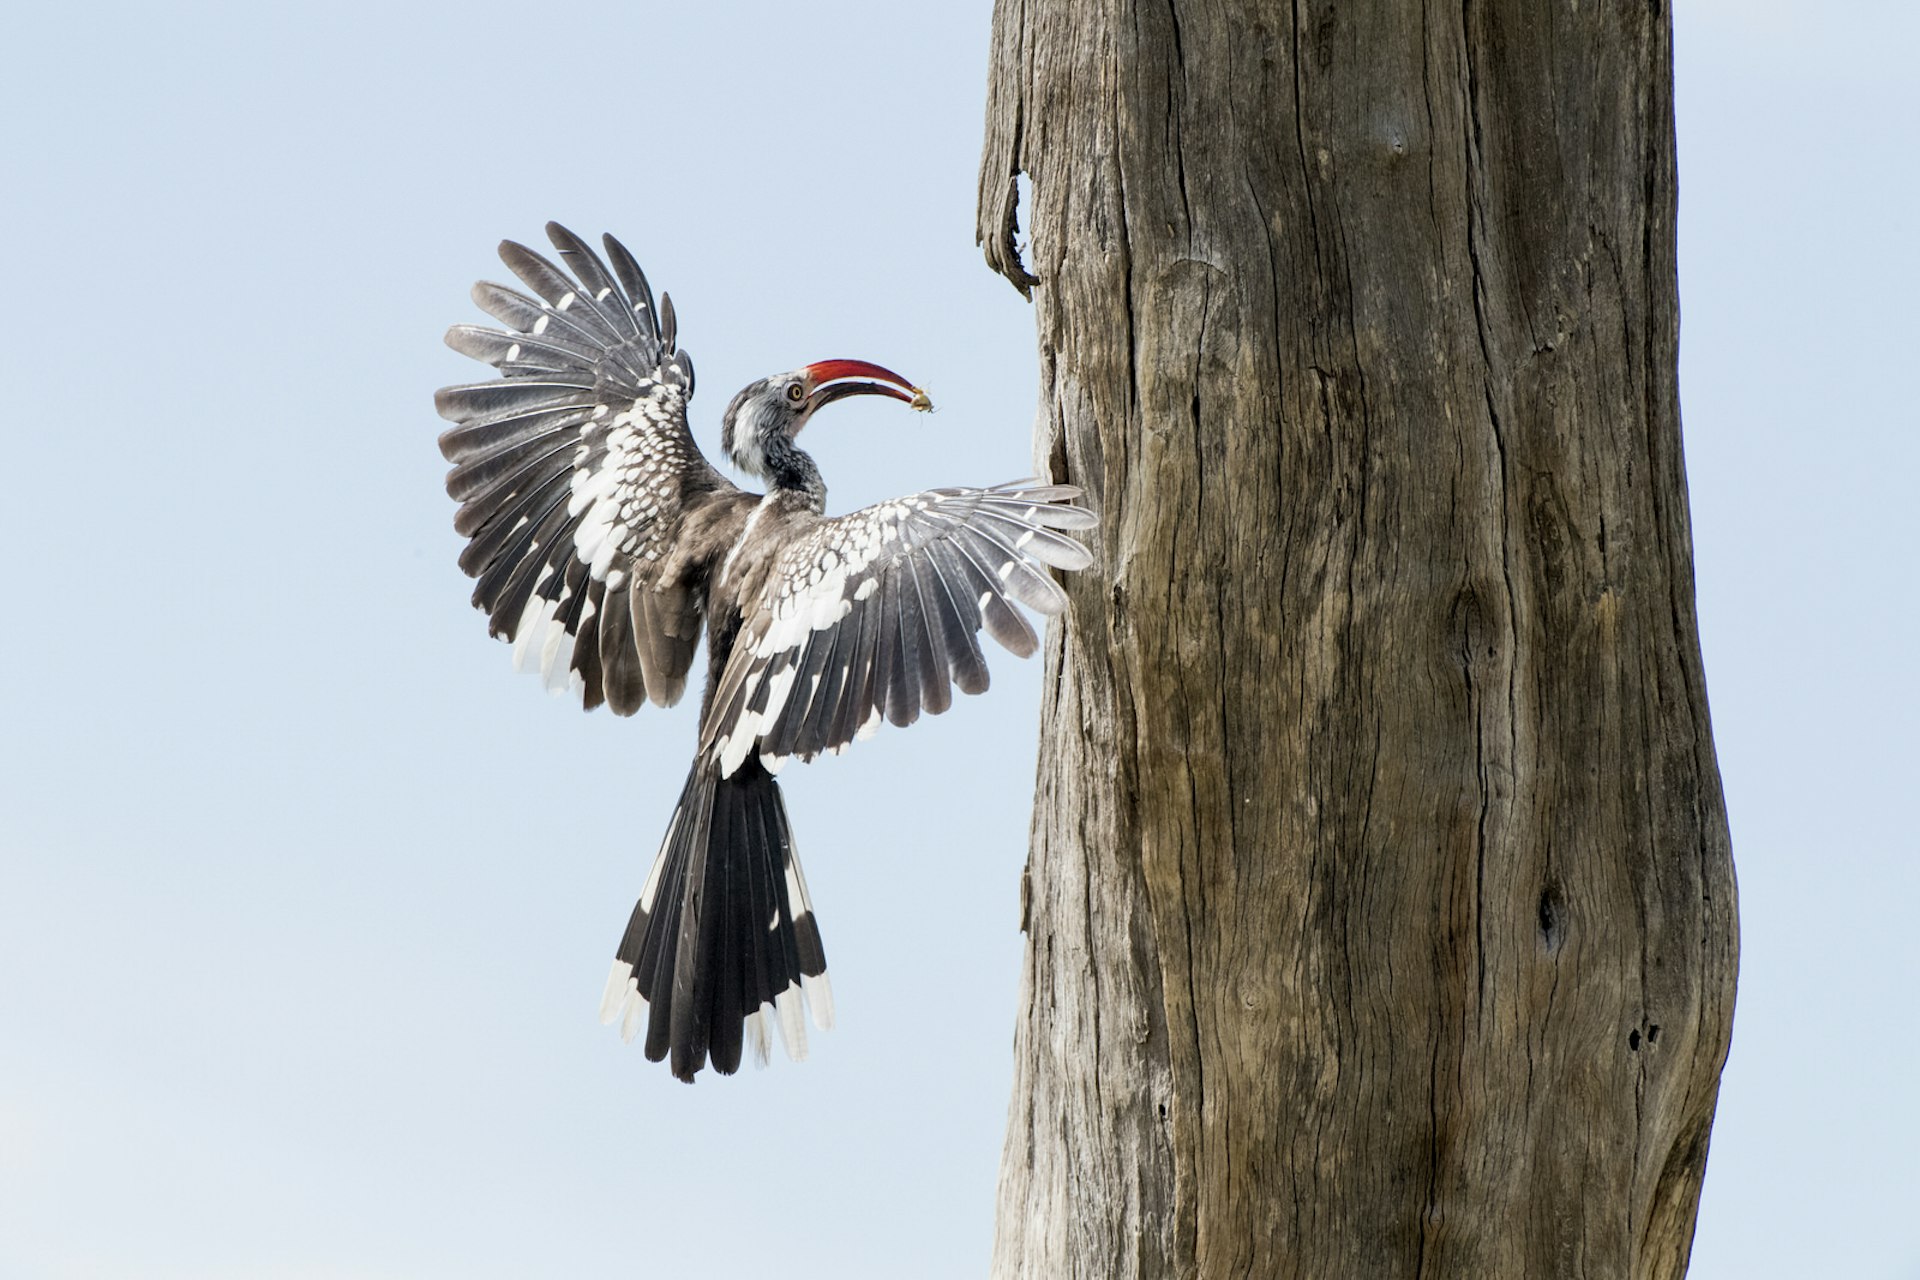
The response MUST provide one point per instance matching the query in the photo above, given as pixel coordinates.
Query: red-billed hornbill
(601, 538)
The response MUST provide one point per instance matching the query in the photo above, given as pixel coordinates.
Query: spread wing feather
(875, 615)
(574, 471)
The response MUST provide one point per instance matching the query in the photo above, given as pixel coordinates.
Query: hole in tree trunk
(1553, 917)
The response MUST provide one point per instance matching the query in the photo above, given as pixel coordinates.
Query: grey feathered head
(764, 418)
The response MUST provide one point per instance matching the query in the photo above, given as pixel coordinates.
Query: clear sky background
(306, 900)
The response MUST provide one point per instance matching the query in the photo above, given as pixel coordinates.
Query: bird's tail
(722, 941)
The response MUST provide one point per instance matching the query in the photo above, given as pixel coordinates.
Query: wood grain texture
(1380, 910)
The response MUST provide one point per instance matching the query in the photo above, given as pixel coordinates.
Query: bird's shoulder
(791, 561)
(763, 534)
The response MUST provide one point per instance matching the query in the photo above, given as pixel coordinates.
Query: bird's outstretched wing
(878, 613)
(575, 472)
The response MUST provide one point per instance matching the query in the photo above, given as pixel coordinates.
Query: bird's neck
(789, 467)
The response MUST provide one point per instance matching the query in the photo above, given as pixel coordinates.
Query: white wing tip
(619, 983)
(819, 994)
(793, 1023)
(759, 1036)
(621, 1001)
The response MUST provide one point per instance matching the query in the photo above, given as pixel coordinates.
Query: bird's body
(602, 541)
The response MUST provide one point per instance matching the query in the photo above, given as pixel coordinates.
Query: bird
(603, 542)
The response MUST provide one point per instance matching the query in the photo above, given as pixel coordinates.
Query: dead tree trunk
(1380, 910)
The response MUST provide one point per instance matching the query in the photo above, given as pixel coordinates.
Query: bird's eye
(796, 393)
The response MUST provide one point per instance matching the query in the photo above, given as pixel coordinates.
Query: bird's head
(763, 419)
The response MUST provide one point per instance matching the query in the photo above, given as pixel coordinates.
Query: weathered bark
(1381, 910)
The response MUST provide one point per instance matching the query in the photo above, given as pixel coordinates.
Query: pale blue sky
(305, 899)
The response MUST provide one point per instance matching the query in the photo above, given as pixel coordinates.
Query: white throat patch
(747, 453)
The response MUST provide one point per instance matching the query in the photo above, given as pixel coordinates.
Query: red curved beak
(827, 375)
(829, 370)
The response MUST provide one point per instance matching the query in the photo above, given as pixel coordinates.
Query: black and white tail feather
(722, 946)
(601, 537)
